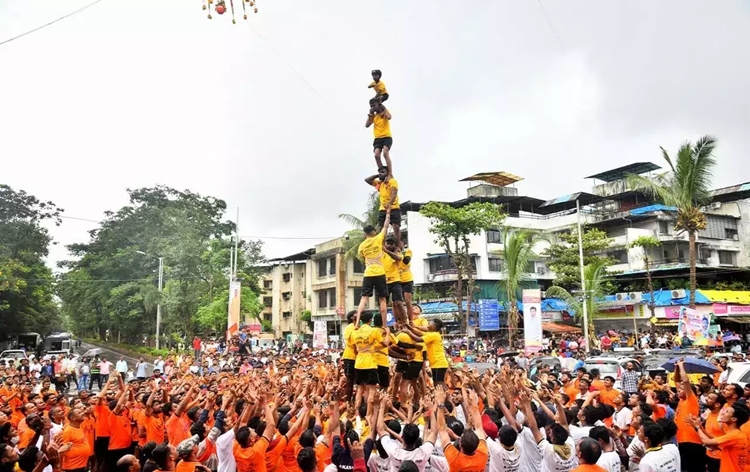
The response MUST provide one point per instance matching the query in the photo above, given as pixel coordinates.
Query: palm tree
(517, 253)
(355, 236)
(595, 276)
(686, 187)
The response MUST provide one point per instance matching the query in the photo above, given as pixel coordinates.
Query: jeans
(197, 353)
(83, 381)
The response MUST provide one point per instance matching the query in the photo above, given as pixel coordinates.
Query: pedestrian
(84, 373)
(122, 365)
(140, 369)
(197, 347)
(104, 368)
(95, 373)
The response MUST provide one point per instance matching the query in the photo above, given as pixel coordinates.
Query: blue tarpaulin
(663, 297)
(650, 209)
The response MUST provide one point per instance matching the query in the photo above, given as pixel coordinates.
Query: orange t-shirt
(250, 459)
(457, 460)
(273, 453)
(25, 437)
(713, 427)
(178, 429)
(322, 455)
(135, 417)
(102, 420)
(608, 397)
(685, 431)
(733, 451)
(78, 455)
(89, 429)
(745, 428)
(186, 466)
(571, 391)
(597, 385)
(589, 468)
(660, 411)
(119, 429)
(154, 425)
(289, 456)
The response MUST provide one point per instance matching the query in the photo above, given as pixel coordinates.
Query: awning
(666, 322)
(733, 319)
(559, 328)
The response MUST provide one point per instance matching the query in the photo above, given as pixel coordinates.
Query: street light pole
(158, 307)
(583, 279)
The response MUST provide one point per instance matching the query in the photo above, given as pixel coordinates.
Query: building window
(357, 296)
(664, 227)
(359, 266)
(444, 263)
(286, 277)
(494, 236)
(332, 297)
(496, 264)
(620, 256)
(267, 301)
(268, 284)
(680, 254)
(731, 233)
(322, 268)
(332, 266)
(322, 299)
(286, 314)
(726, 257)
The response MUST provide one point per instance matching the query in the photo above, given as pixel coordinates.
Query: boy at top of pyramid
(378, 85)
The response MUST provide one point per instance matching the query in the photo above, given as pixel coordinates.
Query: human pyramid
(367, 339)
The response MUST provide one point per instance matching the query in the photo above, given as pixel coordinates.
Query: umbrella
(732, 337)
(692, 366)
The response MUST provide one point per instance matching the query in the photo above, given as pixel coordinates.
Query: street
(111, 356)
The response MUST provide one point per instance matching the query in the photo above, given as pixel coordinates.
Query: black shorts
(349, 369)
(693, 457)
(394, 291)
(380, 143)
(438, 375)
(413, 370)
(366, 376)
(407, 287)
(374, 284)
(101, 446)
(712, 465)
(114, 455)
(401, 366)
(395, 217)
(384, 377)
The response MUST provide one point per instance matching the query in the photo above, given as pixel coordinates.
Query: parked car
(15, 355)
(739, 373)
(57, 354)
(611, 366)
(553, 362)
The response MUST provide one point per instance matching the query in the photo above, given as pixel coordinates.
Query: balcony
(449, 275)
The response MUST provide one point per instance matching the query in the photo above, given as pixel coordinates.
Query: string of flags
(220, 7)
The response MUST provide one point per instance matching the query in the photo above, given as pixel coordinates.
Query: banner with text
(233, 316)
(320, 334)
(693, 324)
(489, 315)
(532, 320)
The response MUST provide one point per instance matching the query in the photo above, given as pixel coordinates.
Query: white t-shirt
(397, 454)
(552, 462)
(623, 418)
(502, 459)
(531, 456)
(610, 461)
(662, 459)
(636, 448)
(579, 432)
(377, 463)
(225, 453)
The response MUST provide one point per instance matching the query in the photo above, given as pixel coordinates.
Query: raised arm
(371, 179)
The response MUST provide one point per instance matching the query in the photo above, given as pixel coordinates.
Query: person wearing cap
(187, 452)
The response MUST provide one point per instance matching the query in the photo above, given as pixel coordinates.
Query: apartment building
(286, 294)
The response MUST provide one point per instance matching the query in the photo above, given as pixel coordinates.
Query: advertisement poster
(233, 317)
(693, 324)
(320, 334)
(532, 320)
(489, 315)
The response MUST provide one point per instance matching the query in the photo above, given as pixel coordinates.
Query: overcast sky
(269, 114)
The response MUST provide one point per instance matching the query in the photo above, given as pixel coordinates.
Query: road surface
(111, 356)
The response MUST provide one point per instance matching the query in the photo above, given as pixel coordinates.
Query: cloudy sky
(269, 114)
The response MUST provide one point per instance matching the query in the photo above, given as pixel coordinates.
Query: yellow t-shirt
(421, 323)
(371, 250)
(391, 269)
(405, 338)
(384, 190)
(381, 126)
(379, 87)
(404, 270)
(366, 339)
(435, 351)
(349, 352)
(381, 353)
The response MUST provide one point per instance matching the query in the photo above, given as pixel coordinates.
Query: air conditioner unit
(716, 205)
(678, 294)
(634, 296)
(620, 297)
(736, 237)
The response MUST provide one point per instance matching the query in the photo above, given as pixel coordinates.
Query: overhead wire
(50, 23)
(551, 26)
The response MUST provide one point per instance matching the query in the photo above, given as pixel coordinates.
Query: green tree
(26, 283)
(687, 187)
(452, 228)
(646, 243)
(356, 235)
(517, 254)
(111, 288)
(595, 276)
(564, 257)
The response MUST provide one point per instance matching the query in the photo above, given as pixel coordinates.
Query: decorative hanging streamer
(221, 7)
(209, 8)
(244, 13)
(231, 5)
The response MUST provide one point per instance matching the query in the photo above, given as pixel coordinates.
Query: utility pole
(158, 307)
(583, 278)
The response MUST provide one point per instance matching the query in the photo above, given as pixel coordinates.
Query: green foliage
(26, 283)
(564, 258)
(646, 242)
(687, 187)
(111, 287)
(266, 326)
(306, 316)
(452, 227)
(356, 235)
(735, 285)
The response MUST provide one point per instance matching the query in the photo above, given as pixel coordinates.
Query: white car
(739, 373)
(56, 354)
(611, 366)
(16, 355)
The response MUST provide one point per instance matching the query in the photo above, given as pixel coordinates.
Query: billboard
(233, 313)
(320, 334)
(489, 317)
(532, 320)
(693, 324)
